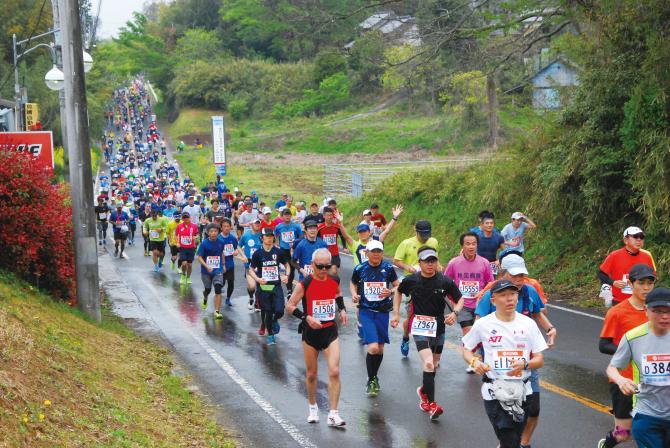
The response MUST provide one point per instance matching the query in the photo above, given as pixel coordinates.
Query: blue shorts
(374, 326)
(535, 380)
(651, 432)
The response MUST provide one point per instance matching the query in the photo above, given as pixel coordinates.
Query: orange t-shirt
(620, 319)
(618, 264)
(528, 281)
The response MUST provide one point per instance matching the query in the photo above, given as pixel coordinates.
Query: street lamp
(55, 79)
(88, 62)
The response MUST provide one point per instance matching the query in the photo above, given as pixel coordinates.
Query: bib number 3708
(424, 326)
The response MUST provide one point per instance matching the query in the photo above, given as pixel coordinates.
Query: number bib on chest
(330, 240)
(270, 273)
(373, 290)
(228, 250)
(287, 237)
(323, 310)
(503, 361)
(469, 289)
(213, 262)
(185, 240)
(656, 369)
(424, 326)
(494, 268)
(154, 234)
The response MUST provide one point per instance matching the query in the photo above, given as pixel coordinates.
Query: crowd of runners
(292, 255)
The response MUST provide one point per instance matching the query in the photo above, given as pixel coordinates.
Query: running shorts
(186, 254)
(157, 245)
(211, 279)
(622, 405)
(435, 344)
(375, 326)
(466, 318)
(174, 250)
(319, 339)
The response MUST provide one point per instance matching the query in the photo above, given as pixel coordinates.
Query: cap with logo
(502, 285)
(630, 231)
(427, 253)
(267, 231)
(640, 271)
(423, 226)
(374, 245)
(514, 264)
(658, 297)
(363, 228)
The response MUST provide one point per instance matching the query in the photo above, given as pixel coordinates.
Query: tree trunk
(492, 95)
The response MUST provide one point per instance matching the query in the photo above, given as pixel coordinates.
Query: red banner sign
(38, 144)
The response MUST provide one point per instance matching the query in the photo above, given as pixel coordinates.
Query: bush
(239, 108)
(35, 225)
(332, 94)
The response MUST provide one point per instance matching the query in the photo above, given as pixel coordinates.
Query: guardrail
(356, 179)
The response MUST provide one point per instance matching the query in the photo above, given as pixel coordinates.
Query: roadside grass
(67, 382)
(61, 170)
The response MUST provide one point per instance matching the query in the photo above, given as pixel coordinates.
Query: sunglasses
(639, 236)
(323, 267)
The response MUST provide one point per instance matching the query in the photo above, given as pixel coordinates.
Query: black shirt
(101, 212)
(266, 264)
(429, 295)
(318, 218)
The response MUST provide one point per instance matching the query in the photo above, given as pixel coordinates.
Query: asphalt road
(262, 387)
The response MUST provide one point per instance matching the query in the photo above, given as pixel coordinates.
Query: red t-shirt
(186, 235)
(619, 320)
(271, 224)
(618, 264)
(329, 234)
(319, 299)
(378, 219)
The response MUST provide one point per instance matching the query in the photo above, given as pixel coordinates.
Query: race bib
(494, 268)
(154, 234)
(424, 326)
(185, 240)
(213, 262)
(323, 310)
(514, 242)
(308, 269)
(469, 289)
(656, 369)
(270, 273)
(373, 290)
(503, 361)
(287, 237)
(102, 215)
(330, 240)
(229, 249)
(363, 255)
(626, 289)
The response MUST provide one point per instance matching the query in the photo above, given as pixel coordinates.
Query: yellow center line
(557, 389)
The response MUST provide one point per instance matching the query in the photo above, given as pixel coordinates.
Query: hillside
(65, 381)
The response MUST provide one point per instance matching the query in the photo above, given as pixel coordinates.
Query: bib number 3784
(656, 369)
(424, 326)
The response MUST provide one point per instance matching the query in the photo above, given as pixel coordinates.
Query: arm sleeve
(607, 346)
(623, 355)
(604, 278)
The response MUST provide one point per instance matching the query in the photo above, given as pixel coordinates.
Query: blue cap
(363, 228)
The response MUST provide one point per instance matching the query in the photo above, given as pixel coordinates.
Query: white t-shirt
(503, 344)
(300, 216)
(193, 211)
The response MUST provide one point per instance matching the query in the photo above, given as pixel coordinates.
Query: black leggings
(146, 242)
(229, 278)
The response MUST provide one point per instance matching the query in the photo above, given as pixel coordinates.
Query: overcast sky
(114, 14)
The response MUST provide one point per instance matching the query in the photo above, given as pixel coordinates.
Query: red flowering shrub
(36, 237)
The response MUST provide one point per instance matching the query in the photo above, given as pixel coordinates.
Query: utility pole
(79, 150)
(59, 63)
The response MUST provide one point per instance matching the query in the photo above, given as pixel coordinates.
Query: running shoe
(313, 416)
(271, 339)
(370, 388)
(435, 411)
(156, 268)
(121, 254)
(204, 305)
(250, 306)
(116, 252)
(160, 264)
(601, 443)
(228, 302)
(100, 243)
(146, 253)
(218, 315)
(404, 347)
(424, 404)
(261, 331)
(275, 327)
(182, 279)
(376, 385)
(188, 280)
(335, 421)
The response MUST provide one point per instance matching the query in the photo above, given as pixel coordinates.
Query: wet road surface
(262, 388)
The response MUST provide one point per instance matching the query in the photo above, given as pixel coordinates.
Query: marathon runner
(303, 252)
(514, 233)
(120, 221)
(250, 243)
(365, 234)
(230, 250)
(265, 270)
(156, 228)
(314, 214)
(321, 302)
(101, 217)
(429, 293)
(406, 258)
(614, 270)
(328, 231)
(510, 356)
(287, 234)
(490, 240)
(172, 242)
(187, 238)
(619, 320)
(134, 216)
(372, 286)
(210, 253)
(378, 219)
(647, 347)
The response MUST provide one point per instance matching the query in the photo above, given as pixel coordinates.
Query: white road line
(581, 313)
(234, 375)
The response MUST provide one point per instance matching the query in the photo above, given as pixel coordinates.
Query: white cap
(514, 264)
(427, 253)
(517, 215)
(632, 231)
(367, 212)
(373, 245)
(267, 210)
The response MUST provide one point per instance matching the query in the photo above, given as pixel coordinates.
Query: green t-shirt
(407, 250)
(157, 228)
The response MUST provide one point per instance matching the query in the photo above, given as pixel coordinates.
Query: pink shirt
(470, 276)
(186, 235)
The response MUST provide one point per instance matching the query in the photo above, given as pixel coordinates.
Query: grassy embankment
(66, 382)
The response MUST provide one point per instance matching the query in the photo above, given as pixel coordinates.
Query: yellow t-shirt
(407, 250)
(171, 227)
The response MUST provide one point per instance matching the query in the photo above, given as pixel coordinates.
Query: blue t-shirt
(488, 246)
(266, 264)
(303, 251)
(250, 242)
(211, 252)
(169, 212)
(529, 302)
(369, 280)
(287, 234)
(279, 203)
(229, 246)
(118, 220)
